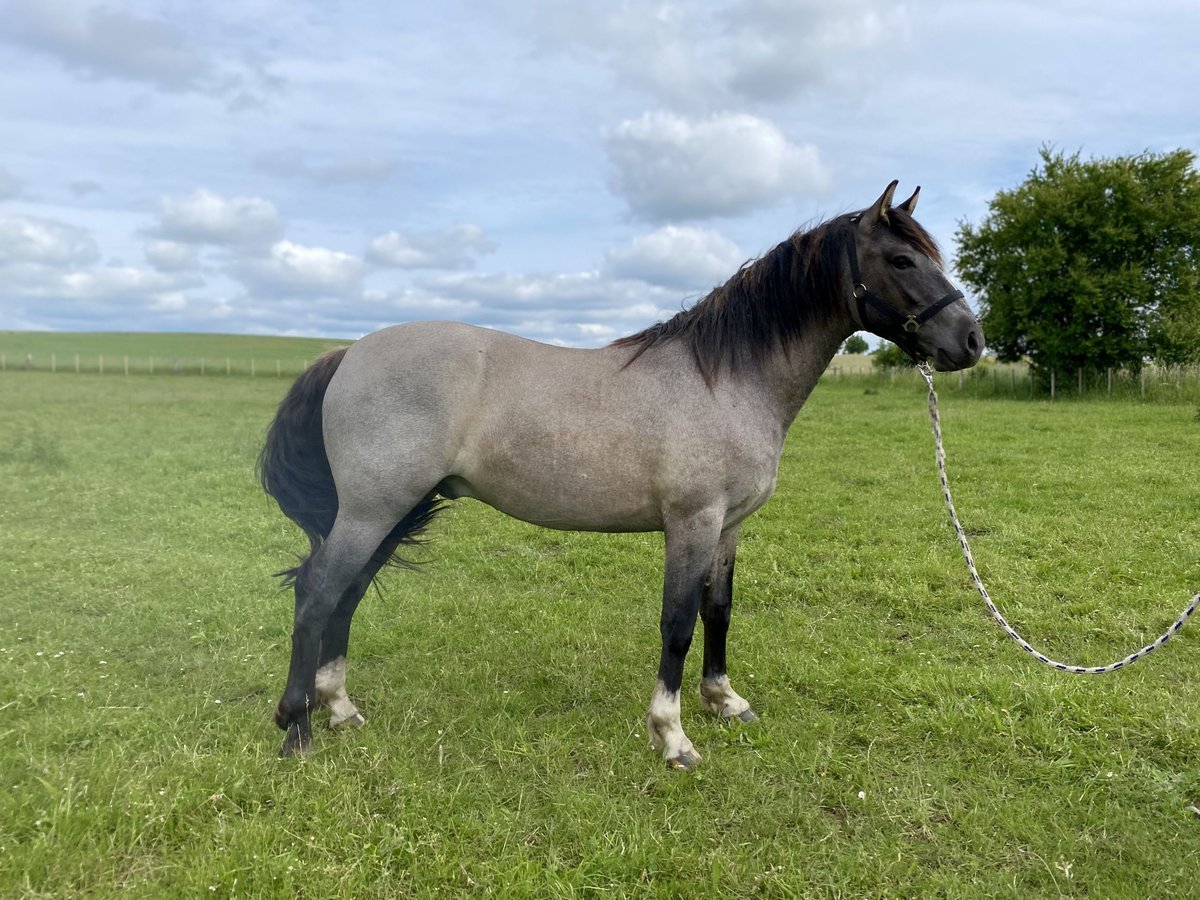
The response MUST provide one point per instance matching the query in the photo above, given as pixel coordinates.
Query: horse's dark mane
(770, 300)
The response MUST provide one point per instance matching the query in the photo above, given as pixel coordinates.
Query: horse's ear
(878, 211)
(910, 205)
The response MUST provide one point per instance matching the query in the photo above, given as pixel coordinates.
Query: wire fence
(121, 364)
(1152, 383)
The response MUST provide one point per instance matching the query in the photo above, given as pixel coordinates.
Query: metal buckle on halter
(911, 325)
(858, 291)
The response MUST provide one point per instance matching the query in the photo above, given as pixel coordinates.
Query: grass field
(158, 353)
(905, 747)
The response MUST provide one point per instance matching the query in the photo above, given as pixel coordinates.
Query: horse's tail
(294, 469)
(292, 466)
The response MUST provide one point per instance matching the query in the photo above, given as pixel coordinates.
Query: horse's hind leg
(715, 609)
(331, 662)
(320, 586)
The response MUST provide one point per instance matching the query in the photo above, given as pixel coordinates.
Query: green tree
(856, 343)
(1091, 263)
(889, 356)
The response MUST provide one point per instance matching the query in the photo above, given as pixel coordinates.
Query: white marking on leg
(721, 699)
(664, 726)
(331, 692)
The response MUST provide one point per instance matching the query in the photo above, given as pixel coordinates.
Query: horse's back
(474, 412)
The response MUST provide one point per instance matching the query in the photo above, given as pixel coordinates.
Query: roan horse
(678, 429)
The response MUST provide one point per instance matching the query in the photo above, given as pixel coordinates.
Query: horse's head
(899, 290)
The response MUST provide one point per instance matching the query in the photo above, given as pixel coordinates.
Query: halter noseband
(863, 295)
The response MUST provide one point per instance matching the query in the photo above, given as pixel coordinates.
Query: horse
(678, 428)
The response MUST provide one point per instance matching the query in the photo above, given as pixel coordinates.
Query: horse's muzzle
(964, 356)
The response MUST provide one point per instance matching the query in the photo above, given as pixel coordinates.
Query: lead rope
(927, 373)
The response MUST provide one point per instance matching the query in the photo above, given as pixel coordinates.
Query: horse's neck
(789, 376)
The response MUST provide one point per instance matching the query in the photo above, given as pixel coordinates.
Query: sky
(568, 170)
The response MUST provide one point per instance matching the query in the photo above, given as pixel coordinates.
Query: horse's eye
(903, 262)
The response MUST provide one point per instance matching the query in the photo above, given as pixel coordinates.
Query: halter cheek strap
(863, 296)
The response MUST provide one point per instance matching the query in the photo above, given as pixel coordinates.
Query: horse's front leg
(691, 544)
(715, 608)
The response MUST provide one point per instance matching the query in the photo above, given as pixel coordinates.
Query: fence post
(277, 372)
(227, 365)
(3, 363)
(76, 363)
(251, 368)
(127, 365)
(152, 365)
(1143, 382)
(101, 363)
(1051, 384)
(53, 362)
(1080, 381)
(1110, 381)
(202, 365)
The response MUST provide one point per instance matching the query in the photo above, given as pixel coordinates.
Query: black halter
(862, 294)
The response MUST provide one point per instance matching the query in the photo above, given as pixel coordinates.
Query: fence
(117, 364)
(1153, 383)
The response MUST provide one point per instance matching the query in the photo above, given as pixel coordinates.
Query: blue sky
(570, 171)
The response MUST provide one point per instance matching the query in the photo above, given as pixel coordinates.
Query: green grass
(158, 353)
(905, 748)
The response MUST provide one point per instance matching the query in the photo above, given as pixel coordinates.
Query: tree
(856, 343)
(1091, 263)
(889, 356)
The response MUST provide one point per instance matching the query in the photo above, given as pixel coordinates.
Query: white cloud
(49, 278)
(44, 242)
(62, 299)
(421, 303)
(596, 330)
(658, 48)
(204, 217)
(171, 301)
(291, 268)
(576, 308)
(110, 283)
(666, 166)
(104, 42)
(455, 248)
(681, 257)
(780, 48)
(697, 57)
(171, 256)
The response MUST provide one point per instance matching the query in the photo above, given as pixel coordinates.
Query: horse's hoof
(684, 762)
(295, 744)
(746, 717)
(352, 721)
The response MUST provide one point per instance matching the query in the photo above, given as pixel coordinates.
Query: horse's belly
(566, 504)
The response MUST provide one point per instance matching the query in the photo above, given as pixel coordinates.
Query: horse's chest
(749, 494)
(750, 474)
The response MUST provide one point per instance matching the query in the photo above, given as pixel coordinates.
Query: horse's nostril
(973, 341)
